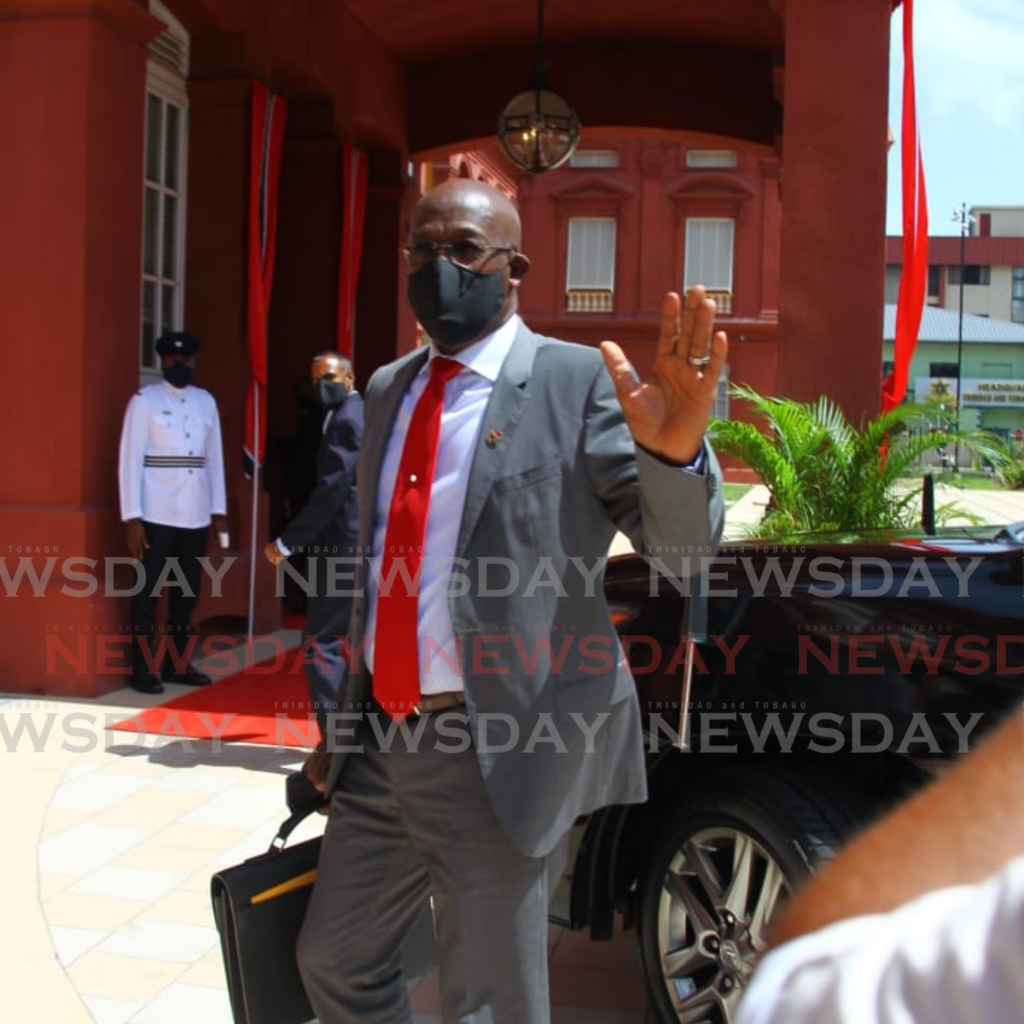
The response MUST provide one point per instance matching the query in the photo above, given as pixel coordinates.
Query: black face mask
(331, 393)
(178, 375)
(455, 305)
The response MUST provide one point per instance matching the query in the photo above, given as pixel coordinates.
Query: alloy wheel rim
(717, 899)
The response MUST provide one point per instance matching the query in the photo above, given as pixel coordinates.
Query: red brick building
(124, 195)
(632, 216)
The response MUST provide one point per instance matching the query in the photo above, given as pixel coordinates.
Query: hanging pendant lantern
(538, 130)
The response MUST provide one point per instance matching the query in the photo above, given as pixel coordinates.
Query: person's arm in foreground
(921, 918)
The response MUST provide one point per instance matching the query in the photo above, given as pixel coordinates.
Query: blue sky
(969, 57)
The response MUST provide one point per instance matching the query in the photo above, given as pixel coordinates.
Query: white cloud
(970, 69)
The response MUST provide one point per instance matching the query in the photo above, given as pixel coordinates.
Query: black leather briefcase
(259, 907)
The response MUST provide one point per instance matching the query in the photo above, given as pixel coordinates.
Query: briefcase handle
(288, 826)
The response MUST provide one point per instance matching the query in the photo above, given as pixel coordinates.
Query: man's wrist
(695, 465)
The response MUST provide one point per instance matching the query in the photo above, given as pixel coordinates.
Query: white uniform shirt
(465, 401)
(952, 956)
(171, 467)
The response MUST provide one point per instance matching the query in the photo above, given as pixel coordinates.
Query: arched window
(163, 200)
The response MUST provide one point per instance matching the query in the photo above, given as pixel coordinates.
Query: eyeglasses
(463, 254)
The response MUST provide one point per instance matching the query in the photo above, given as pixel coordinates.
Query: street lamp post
(964, 219)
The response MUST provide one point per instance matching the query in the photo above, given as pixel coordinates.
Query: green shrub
(825, 474)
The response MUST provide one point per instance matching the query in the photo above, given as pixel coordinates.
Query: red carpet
(254, 706)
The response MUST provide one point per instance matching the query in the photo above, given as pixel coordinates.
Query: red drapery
(354, 186)
(910, 303)
(266, 146)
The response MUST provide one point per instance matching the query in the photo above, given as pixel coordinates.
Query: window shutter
(591, 259)
(709, 253)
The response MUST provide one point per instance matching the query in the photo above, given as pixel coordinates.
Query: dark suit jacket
(562, 477)
(329, 520)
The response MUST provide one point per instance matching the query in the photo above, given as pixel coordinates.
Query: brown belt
(433, 703)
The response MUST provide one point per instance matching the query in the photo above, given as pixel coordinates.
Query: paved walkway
(109, 846)
(108, 850)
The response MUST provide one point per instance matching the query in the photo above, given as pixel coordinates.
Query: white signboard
(992, 393)
(935, 390)
(979, 392)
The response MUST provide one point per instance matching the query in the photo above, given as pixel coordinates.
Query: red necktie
(396, 669)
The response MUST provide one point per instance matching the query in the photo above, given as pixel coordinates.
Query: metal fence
(946, 455)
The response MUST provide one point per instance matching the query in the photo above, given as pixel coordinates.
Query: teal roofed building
(991, 368)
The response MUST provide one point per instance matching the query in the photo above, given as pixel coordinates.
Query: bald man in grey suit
(546, 449)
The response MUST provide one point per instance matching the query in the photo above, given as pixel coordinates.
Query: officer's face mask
(331, 393)
(178, 375)
(455, 305)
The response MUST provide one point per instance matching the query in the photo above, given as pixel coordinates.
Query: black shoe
(149, 683)
(190, 677)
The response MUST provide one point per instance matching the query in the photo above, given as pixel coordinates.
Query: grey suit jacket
(554, 475)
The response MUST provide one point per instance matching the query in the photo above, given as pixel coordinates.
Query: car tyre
(716, 877)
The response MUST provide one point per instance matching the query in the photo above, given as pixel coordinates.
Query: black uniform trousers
(165, 542)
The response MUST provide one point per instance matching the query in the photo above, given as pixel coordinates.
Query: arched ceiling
(426, 31)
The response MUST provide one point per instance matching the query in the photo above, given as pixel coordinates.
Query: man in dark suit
(515, 459)
(326, 527)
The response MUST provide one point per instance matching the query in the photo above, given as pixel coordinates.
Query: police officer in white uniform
(171, 473)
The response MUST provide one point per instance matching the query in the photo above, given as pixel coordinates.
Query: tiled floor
(114, 846)
(110, 843)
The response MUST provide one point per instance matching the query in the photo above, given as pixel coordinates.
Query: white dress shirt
(171, 463)
(952, 956)
(465, 400)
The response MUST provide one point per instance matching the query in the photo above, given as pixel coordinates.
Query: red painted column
(216, 275)
(771, 226)
(385, 327)
(654, 250)
(833, 228)
(73, 79)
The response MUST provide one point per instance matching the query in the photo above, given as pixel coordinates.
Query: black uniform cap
(177, 343)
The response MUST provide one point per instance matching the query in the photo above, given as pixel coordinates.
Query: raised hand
(668, 414)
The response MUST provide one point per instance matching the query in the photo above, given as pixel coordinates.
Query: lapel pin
(493, 437)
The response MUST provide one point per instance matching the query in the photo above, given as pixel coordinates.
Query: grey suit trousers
(406, 823)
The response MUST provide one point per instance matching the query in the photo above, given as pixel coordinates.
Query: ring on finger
(698, 360)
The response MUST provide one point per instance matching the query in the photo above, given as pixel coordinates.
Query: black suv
(825, 680)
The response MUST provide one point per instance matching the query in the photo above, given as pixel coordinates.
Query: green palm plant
(1010, 468)
(825, 474)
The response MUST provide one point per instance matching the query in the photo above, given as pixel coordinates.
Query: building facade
(988, 366)
(993, 266)
(628, 219)
(124, 199)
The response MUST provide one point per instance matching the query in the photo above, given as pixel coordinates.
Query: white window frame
(689, 277)
(573, 285)
(1017, 302)
(168, 87)
(594, 158)
(720, 410)
(705, 158)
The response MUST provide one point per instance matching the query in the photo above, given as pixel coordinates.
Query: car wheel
(718, 874)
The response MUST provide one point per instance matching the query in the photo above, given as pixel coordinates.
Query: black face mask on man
(331, 393)
(178, 375)
(455, 305)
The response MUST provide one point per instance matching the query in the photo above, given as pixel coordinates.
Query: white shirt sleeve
(134, 432)
(952, 956)
(215, 465)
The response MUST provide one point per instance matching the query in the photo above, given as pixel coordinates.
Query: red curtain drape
(910, 303)
(354, 186)
(266, 146)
